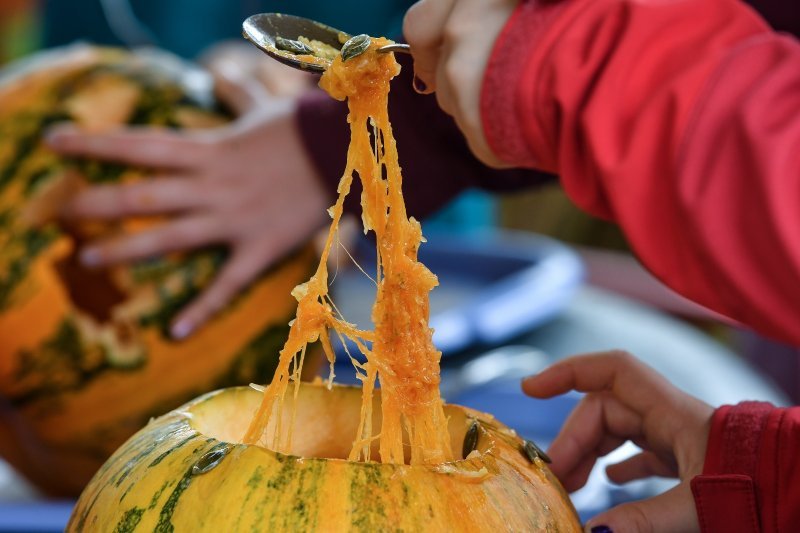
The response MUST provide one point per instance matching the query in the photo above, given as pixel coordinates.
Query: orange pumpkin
(187, 471)
(85, 360)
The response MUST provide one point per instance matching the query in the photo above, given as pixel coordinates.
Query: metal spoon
(265, 30)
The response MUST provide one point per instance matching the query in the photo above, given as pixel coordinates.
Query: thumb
(423, 28)
(666, 513)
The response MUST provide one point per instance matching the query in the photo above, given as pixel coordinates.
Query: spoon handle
(395, 47)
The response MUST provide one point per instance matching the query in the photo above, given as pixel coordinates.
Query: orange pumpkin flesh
(402, 354)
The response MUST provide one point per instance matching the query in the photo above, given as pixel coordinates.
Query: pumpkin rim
(489, 427)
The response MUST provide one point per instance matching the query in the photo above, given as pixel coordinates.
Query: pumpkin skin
(85, 358)
(182, 473)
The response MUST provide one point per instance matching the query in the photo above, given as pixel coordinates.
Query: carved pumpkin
(85, 360)
(183, 472)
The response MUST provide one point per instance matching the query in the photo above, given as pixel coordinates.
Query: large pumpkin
(183, 472)
(85, 360)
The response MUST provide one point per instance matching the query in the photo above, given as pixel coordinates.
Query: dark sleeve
(781, 15)
(437, 164)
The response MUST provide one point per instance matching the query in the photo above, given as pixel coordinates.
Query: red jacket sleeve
(751, 476)
(679, 120)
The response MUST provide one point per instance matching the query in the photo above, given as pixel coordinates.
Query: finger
(236, 88)
(463, 55)
(142, 146)
(633, 382)
(423, 29)
(149, 197)
(639, 466)
(241, 269)
(598, 425)
(180, 234)
(577, 477)
(671, 511)
(446, 91)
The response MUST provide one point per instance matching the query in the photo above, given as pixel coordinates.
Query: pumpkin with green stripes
(85, 360)
(186, 471)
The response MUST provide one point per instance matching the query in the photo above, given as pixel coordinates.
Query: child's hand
(451, 42)
(626, 400)
(249, 185)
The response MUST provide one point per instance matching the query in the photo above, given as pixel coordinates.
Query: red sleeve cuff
(512, 69)
(735, 437)
(727, 495)
(726, 503)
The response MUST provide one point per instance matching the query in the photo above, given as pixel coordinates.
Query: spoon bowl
(264, 30)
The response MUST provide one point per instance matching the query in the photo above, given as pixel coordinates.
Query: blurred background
(526, 279)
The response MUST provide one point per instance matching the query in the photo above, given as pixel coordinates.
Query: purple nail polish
(419, 85)
(51, 138)
(55, 133)
(602, 529)
(91, 257)
(181, 330)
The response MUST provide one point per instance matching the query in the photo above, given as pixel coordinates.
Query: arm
(678, 120)
(751, 470)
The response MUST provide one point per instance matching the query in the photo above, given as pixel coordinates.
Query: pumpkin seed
(470, 439)
(532, 451)
(295, 47)
(355, 46)
(209, 460)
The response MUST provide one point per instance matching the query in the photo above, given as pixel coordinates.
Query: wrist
(734, 438)
(692, 439)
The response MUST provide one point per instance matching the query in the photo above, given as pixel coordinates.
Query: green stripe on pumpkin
(304, 513)
(150, 445)
(157, 495)
(164, 524)
(168, 452)
(19, 253)
(129, 520)
(366, 484)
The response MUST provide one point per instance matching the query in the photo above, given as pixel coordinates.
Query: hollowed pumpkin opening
(325, 421)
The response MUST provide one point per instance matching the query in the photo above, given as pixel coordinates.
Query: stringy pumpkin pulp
(402, 354)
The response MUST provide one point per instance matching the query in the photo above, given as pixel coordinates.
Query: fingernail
(91, 257)
(602, 529)
(420, 85)
(181, 329)
(52, 138)
(56, 133)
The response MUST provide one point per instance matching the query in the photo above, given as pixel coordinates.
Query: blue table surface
(35, 517)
